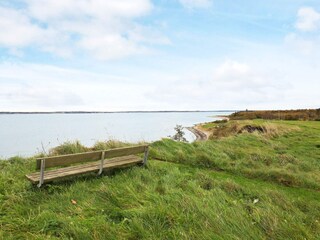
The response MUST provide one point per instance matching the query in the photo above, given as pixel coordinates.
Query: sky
(131, 55)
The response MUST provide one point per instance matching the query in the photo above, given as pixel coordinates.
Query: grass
(234, 187)
(288, 154)
(71, 147)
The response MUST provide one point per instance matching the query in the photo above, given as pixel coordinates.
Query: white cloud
(231, 69)
(308, 19)
(306, 39)
(105, 29)
(301, 44)
(239, 78)
(39, 87)
(109, 46)
(229, 85)
(263, 84)
(17, 29)
(191, 4)
(46, 10)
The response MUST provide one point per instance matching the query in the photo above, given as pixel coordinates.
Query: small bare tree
(179, 135)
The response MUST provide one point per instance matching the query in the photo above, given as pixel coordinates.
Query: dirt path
(200, 136)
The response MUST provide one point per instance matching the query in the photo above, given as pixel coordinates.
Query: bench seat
(111, 163)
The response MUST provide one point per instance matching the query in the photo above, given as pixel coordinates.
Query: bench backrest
(66, 160)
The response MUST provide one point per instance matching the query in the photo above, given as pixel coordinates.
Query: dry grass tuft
(68, 147)
(266, 129)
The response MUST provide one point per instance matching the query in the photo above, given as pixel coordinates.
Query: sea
(29, 134)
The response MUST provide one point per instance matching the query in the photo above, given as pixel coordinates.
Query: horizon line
(137, 111)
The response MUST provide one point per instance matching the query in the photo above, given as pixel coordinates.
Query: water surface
(28, 134)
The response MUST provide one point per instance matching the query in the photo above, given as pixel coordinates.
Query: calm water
(27, 134)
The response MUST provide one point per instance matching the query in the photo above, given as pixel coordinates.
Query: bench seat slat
(80, 166)
(84, 168)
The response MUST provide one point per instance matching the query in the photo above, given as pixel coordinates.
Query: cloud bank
(196, 69)
(308, 19)
(104, 29)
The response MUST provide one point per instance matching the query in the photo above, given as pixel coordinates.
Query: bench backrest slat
(66, 160)
(118, 152)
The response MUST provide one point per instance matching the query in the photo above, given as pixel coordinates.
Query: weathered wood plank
(90, 169)
(84, 171)
(66, 160)
(87, 172)
(118, 152)
(96, 163)
(84, 168)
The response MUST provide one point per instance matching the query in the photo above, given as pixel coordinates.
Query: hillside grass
(288, 153)
(242, 186)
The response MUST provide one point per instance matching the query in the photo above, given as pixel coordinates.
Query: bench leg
(146, 153)
(41, 179)
(101, 163)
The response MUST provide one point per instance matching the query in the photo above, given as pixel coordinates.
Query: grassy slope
(266, 188)
(289, 155)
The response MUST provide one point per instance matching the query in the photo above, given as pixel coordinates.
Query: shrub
(179, 135)
(109, 145)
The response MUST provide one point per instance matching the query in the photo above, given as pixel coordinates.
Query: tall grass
(68, 147)
(165, 201)
(271, 156)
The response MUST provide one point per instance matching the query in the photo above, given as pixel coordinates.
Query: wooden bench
(80, 163)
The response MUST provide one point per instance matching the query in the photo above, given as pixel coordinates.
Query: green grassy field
(259, 185)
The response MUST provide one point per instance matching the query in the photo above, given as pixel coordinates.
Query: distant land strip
(88, 112)
(298, 114)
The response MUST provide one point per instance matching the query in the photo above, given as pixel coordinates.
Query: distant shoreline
(99, 112)
(200, 135)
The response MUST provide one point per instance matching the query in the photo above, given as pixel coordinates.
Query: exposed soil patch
(251, 129)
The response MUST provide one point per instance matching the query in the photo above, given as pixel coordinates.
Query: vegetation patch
(283, 153)
(68, 147)
(232, 128)
(265, 188)
(301, 114)
(163, 201)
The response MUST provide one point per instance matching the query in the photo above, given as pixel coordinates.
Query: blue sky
(159, 55)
